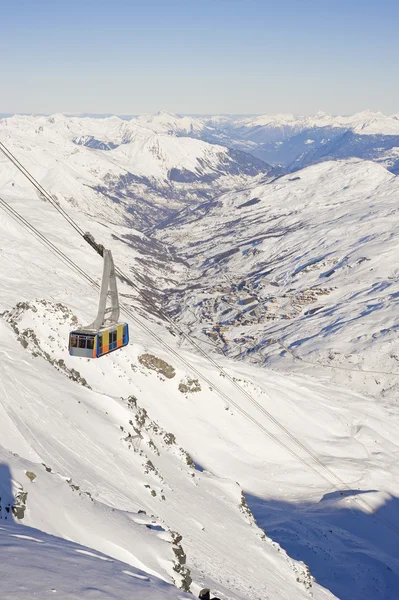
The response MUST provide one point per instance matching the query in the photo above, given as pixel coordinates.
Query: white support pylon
(107, 316)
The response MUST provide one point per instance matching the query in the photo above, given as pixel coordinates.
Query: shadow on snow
(352, 553)
(6, 495)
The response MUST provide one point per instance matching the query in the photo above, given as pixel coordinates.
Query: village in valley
(229, 311)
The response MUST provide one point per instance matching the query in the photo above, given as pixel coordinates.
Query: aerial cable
(41, 190)
(249, 397)
(7, 208)
(360, 501)
(16, 216)
(39, 187)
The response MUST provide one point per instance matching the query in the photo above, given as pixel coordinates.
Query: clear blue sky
(199, 56)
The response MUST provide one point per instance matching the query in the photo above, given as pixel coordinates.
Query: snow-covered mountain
(143, 149)
(159, 152)
(274, 476)
(294, 141)
(266, 128)
(165, 122)
(144, 175)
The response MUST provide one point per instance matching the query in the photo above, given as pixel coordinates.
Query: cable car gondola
(106, 334)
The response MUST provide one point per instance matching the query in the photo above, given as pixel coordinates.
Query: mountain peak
(165, 113)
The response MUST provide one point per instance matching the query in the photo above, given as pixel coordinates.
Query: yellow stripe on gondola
(119, 336)
(105, 338)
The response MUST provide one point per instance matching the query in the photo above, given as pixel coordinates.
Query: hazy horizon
(179, 114)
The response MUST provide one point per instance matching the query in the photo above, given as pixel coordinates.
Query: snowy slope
(73, 422)
(49, 567)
